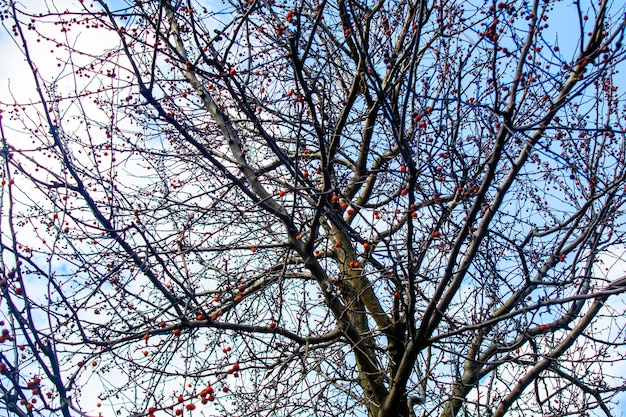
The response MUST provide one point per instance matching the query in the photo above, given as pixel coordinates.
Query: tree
(391, 208)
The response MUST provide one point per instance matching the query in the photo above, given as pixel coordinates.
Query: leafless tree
(275, 208)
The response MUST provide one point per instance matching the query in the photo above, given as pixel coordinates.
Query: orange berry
(335, 198)
(366, 245)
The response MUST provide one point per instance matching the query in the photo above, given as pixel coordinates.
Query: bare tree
(268, 208)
